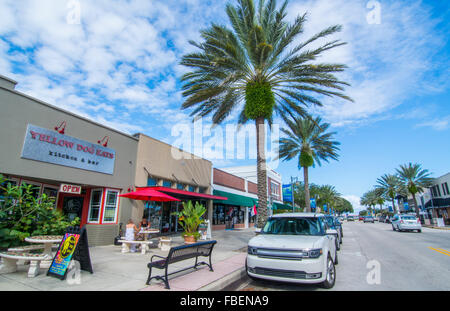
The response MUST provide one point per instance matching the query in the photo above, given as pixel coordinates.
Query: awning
(184, 194)
(234, 199)
(148, 195)
(281, 206)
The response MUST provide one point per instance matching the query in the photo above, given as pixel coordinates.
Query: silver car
(406, 223)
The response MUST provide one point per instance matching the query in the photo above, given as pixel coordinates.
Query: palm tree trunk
(416, 207)
(261, 172)
(307, 198)
(393, 206)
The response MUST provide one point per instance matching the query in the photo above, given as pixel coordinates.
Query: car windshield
(409, 217)
(293, 226)
(330, 221)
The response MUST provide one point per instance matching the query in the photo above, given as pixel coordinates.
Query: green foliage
(259, 100)
(282, 211)
(306, 159)
(22, 215)
(190, 218)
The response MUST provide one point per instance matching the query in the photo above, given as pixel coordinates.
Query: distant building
(434, 202)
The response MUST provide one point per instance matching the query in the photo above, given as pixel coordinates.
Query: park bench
(179, 253)
(10, 260)
(28, 248)
(164, 243)
(126, 245)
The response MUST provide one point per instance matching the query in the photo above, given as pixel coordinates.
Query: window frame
(90, 206)
(105, 203)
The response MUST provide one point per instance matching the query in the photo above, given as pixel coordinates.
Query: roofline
(8, 79)
(194, 155)
(14, 91)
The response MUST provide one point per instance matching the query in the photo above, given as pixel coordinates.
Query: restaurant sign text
(52, 147)
(70, 189)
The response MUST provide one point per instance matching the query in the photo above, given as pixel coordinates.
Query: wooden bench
(10, 259)
(179, 253)
(126, 245)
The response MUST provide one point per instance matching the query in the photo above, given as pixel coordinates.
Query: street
(374, 257)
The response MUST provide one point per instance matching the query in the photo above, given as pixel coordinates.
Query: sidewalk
(435, 227)
(128, 272)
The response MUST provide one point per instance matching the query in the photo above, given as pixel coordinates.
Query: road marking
(440, 250)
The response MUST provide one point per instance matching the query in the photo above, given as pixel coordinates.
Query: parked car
(369, 219)
(350, 218)
(361, 218)
(333, 223)
(296, 248)
(406, 223)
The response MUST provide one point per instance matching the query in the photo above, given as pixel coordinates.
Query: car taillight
(401, 221)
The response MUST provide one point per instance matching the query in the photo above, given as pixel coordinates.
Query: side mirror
(331, 232)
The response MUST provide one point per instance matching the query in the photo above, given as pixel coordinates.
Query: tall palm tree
(310, 140)
(389, 185)
(414, 179)
(258, 68)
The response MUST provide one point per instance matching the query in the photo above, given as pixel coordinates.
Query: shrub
(22, 215)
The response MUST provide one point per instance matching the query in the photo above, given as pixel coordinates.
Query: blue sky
(118, 64)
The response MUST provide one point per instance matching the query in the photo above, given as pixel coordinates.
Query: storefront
(234, 213)
(82, 164)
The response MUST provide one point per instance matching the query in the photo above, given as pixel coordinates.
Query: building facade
(239, 186)
(435, 201)
(82, 164)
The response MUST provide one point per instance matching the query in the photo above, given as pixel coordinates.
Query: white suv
(294, 247)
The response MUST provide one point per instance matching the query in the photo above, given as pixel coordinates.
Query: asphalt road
(374, 257)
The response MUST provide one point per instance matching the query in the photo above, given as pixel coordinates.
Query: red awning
(148, 194)
(184, 193)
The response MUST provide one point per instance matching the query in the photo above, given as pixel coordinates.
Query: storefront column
(210, 212)
(246, 217)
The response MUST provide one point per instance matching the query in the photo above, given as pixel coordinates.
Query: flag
(253, 211)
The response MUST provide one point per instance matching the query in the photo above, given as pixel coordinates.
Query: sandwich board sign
(74, 246)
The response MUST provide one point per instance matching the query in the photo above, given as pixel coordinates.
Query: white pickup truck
(294, 247)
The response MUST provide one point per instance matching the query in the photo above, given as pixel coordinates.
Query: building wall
(159, 160)
(226, 179)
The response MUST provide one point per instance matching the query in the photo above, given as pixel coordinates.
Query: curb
(225, 281)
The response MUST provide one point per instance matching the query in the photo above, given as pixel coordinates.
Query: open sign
(70, 189)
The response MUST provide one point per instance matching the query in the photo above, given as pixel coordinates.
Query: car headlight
(252, 250)
(315, 253)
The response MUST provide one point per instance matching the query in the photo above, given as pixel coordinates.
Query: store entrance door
(72, 206)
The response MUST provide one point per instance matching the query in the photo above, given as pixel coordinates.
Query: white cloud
(354, 200)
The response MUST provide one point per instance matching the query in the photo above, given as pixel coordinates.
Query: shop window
(95, 206)
(191, 188)
(180, 186)
(151, 182)
(111, 201)
(12, 183)
(167, 183)
(51, 193)
(35, 188)
(202, 189)
(218, 215)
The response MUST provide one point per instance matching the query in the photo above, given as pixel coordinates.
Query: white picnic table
(47, 241)
(146, 232)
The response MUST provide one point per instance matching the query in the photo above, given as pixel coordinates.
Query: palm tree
(258, 68)
(309, 140)
(389, 185)
(414, 179)
(329, 196)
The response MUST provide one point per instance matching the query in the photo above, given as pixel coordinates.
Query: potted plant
(190, 219)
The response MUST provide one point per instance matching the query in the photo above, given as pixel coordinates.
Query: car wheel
(330, 274)
(393, 228)
(419, 230)
(336, 260)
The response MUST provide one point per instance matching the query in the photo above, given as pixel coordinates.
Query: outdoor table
(48, 241)
(148, 231)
